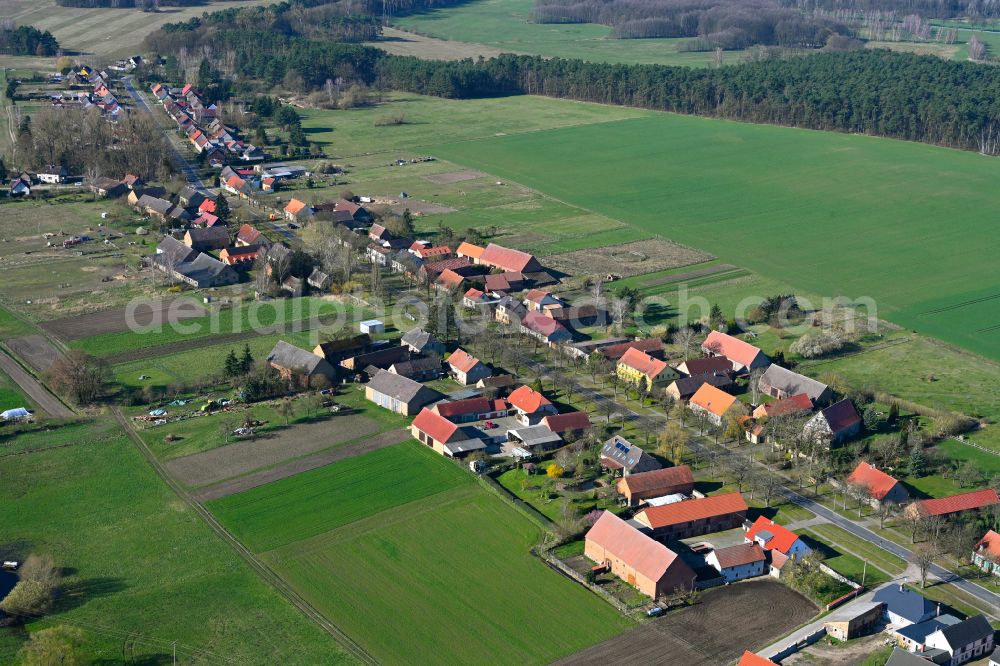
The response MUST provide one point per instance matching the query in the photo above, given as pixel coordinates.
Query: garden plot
(34, 350)
(118, 320)
(637, 258)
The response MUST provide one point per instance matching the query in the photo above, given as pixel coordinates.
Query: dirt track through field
(690, 275)
(34, 350)
(117, 320)
(294, 467)
(716, 630)
(270, 448)
(45, 400)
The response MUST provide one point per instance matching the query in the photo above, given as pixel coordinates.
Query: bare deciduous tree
(686, 339)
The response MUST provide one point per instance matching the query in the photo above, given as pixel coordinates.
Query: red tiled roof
(542, 324)
(445, 264)
(470, 406)
(474, 294)
(643, 362)
(450, 278)
(977, 499)
(508, 259)
(739, 555)
(470, 250)
(439, 251)
(527, 399)
(789, 405)
(751, 659)
(248, 234)
(537, 295)
(235, 182)
(462, 360)
(876, 481)
(708, 365)
(434, 426)
(504, 281)
(782, 538)
(560, 423)
(734, 349)
(989, 545)
(207, 206)
(615, 352)
(841, 415)
(692, 510)
(665, 479)
(648, 557)
(712, 399)
(295, 206)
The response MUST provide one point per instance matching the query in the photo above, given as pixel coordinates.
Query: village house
(790, 405)
(712, 402)
(357, 212)
(659, 482)
(903, 606)
(743, 356)
(466, 368)
(837, 423)
(419, 341)
(534, 438)
(880, 486)
(209, 238)
(854, 620)
(297, 211)
(643, 563)
(693, 517)
(644, 371)
(947, 506)
(781, 383)
(682, 389)
(377, 254)
(449, 281)
(472, 409)
(497, 384)
(190, 266)
(773, 537)
(544, 328)
(900, 657)
(541, 300)
(995, 658)
(430, 271)
(478, 299)
(508, 260)
(399, 394)
(650, 346)
(752, 659)
(249, 235)
(53, 174)
(421, 369)
(619, 454)
(570, 426)
(337, 350)
(447, 438)
(737, 562)
(530, 405)
(710, 365)
(319, 280)
(106, 187)
(425, 252)
(379, 358)
(471, 252)
(505, 282)
(379, 233)
(913, 637)
(509, 310)
(986, 553)
(301, 366)
(965, 641)
(242, 256)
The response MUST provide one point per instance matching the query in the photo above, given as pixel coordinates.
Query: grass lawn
(46, 436)
(934, 485)
(836, 536)
(535, 489)
(258, 315)
(140, 564)
(323, 499)
(654, 171)
(843, 562)
(507, 25)
(471, 594)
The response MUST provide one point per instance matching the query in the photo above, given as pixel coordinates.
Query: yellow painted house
(641, 369)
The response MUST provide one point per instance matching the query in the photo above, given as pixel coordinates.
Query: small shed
(372, 326)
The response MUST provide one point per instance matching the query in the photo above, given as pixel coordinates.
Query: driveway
(47, 402)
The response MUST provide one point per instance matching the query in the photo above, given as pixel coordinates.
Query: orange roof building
(986, 553)
(656, 483)
(295, 208)
(466, 368)
(444, 436)
(506, 259)
(472, 252)
(769, 535)
(751, 659)
(881, 486)
(743, 355)
(638, 367)
(531, 405)
(712, 402)
(796, 403)
(694, 517)
(649, 566)
(568, 422)
(944, 506)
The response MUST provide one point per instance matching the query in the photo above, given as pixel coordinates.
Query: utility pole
(175, 652)
(864, 572)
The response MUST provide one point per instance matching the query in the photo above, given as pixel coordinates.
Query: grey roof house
(301, 365)
(420, 341)
(782, 383)
(619, 453)
(399, 394)
(903, 606)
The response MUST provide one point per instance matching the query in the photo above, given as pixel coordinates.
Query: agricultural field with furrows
(363, 558)
(103, 33)
(507, 26)
(140, 569)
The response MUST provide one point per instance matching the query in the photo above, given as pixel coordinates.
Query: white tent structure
(15, 414)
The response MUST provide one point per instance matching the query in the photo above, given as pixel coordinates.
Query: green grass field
(323, 499)
(830, 213)
(835, 536)
(252, 316)
(437, 570)
(845, 563)
(507, 25)
(140, 565)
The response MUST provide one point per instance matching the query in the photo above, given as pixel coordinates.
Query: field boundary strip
(956, 306)
(690, 275)
(255, 563)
